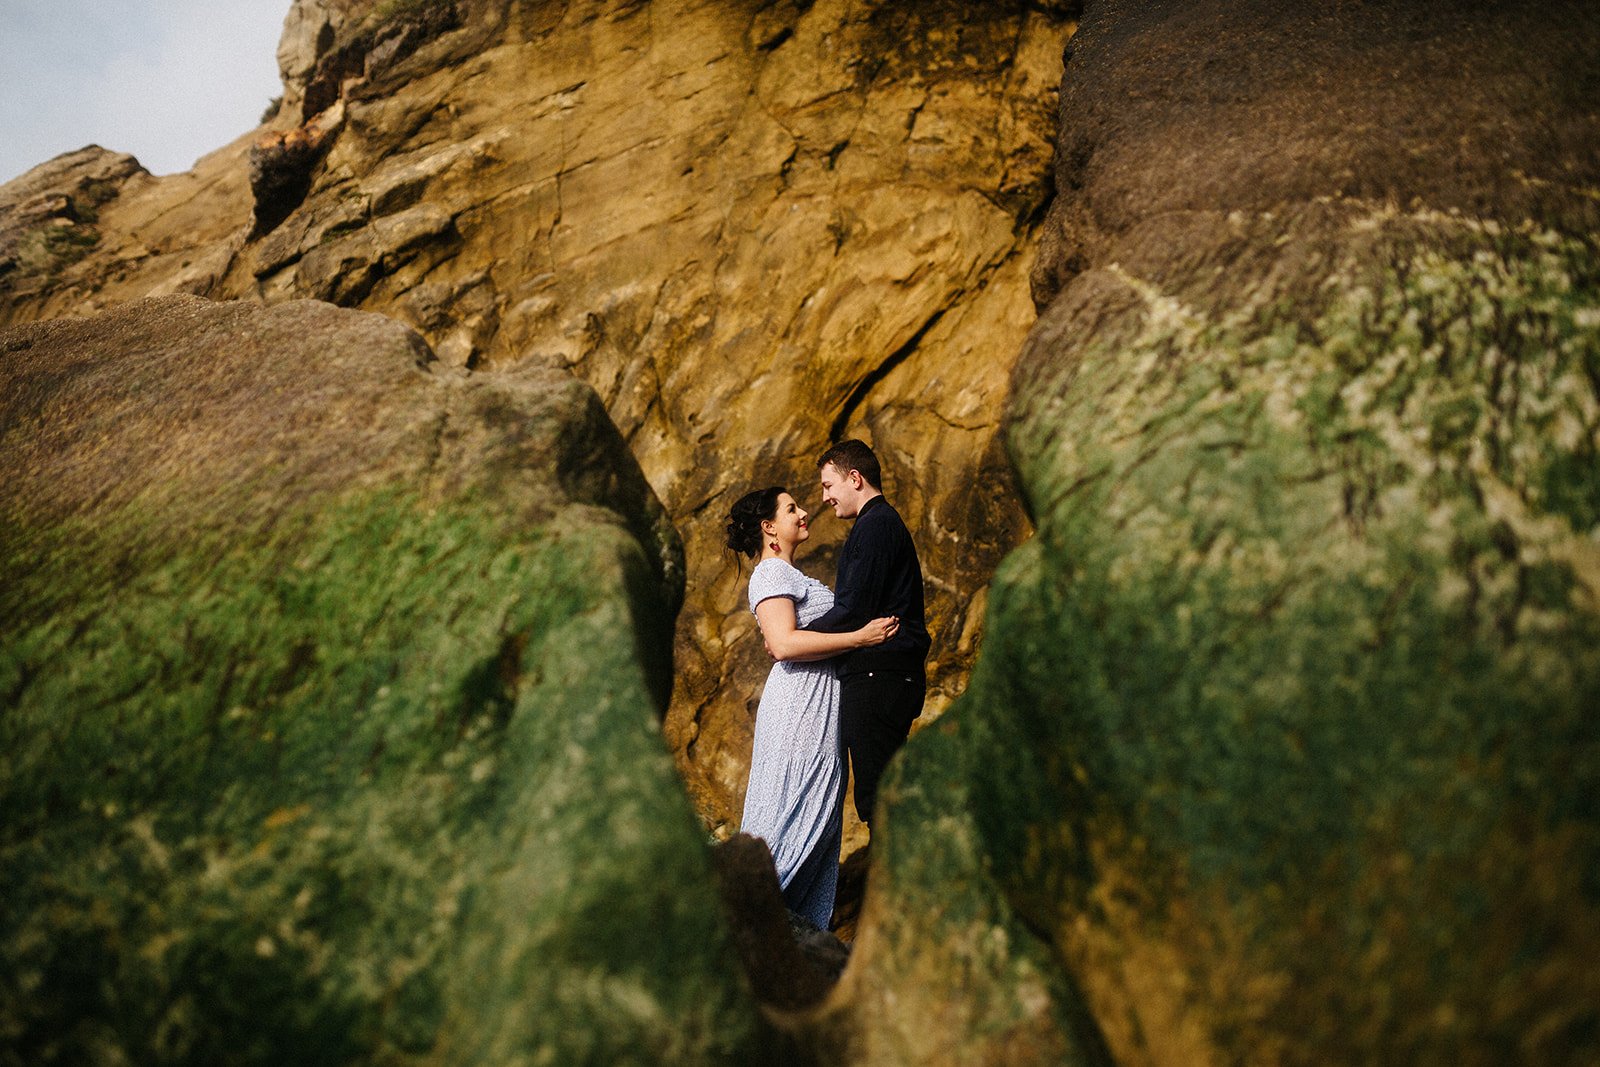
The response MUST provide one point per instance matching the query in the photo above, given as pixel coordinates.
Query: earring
(773, 545)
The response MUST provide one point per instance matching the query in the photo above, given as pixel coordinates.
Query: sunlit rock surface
(1283, 745)
(332, 680)
(751, 226)
(49, 216)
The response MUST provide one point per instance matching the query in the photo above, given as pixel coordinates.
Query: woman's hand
(878, 631)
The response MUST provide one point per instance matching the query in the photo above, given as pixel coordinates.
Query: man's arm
(863, 579)
(840, 619)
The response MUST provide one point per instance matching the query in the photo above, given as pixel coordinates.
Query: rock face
(48, 216)
(1283, 744)
(332, 680)
(751, 226)
(310, 31)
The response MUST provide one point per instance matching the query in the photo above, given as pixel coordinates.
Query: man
(881, 688)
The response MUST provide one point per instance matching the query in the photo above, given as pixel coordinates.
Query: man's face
(842, 491)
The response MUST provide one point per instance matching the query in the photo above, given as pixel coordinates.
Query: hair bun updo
(746, 517)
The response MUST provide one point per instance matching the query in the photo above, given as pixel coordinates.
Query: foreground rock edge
(376, 729)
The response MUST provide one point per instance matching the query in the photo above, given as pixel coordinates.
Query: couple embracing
(849, 678)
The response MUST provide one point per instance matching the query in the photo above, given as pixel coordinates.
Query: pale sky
(165, 80)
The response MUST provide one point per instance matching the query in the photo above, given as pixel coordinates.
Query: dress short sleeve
(773, 577)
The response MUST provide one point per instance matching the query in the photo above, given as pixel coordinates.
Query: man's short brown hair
(853, 455)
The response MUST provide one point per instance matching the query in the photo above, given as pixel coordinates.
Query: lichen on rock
(1281, 749)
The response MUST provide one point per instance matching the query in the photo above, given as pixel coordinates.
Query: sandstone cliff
(749, 226)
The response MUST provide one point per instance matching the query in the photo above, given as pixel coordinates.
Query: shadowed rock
(790, 963)
(331, 680)
(281, 166)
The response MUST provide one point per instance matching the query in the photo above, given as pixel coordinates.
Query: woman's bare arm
(787, 642)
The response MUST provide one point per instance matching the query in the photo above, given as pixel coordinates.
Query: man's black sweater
(879, 575)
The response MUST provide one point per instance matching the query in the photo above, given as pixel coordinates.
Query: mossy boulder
(1282, 746)
(1294, 691)
(331, 687)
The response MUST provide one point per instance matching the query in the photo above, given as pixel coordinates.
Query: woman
(797, 781)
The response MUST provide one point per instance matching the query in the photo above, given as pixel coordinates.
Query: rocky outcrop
(330, 45)
(282, 163)
(749, 226)
(48, 216)
(332, 679)
(741, 267)
(153, 237)
(311, 31)
(791, 964)
(1282, 747)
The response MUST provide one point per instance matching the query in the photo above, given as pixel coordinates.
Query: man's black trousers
(876, 709)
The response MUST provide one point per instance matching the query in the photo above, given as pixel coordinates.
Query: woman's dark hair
(744, 521)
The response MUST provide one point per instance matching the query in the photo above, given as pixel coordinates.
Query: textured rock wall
(332, 681)
(750, 226)
(1282, 747)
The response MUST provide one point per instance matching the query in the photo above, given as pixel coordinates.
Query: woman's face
(789, 523)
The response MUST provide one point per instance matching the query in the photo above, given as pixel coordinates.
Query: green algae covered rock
(945, 969)
(1306, 653)
(1284, 743)
(331, 684)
